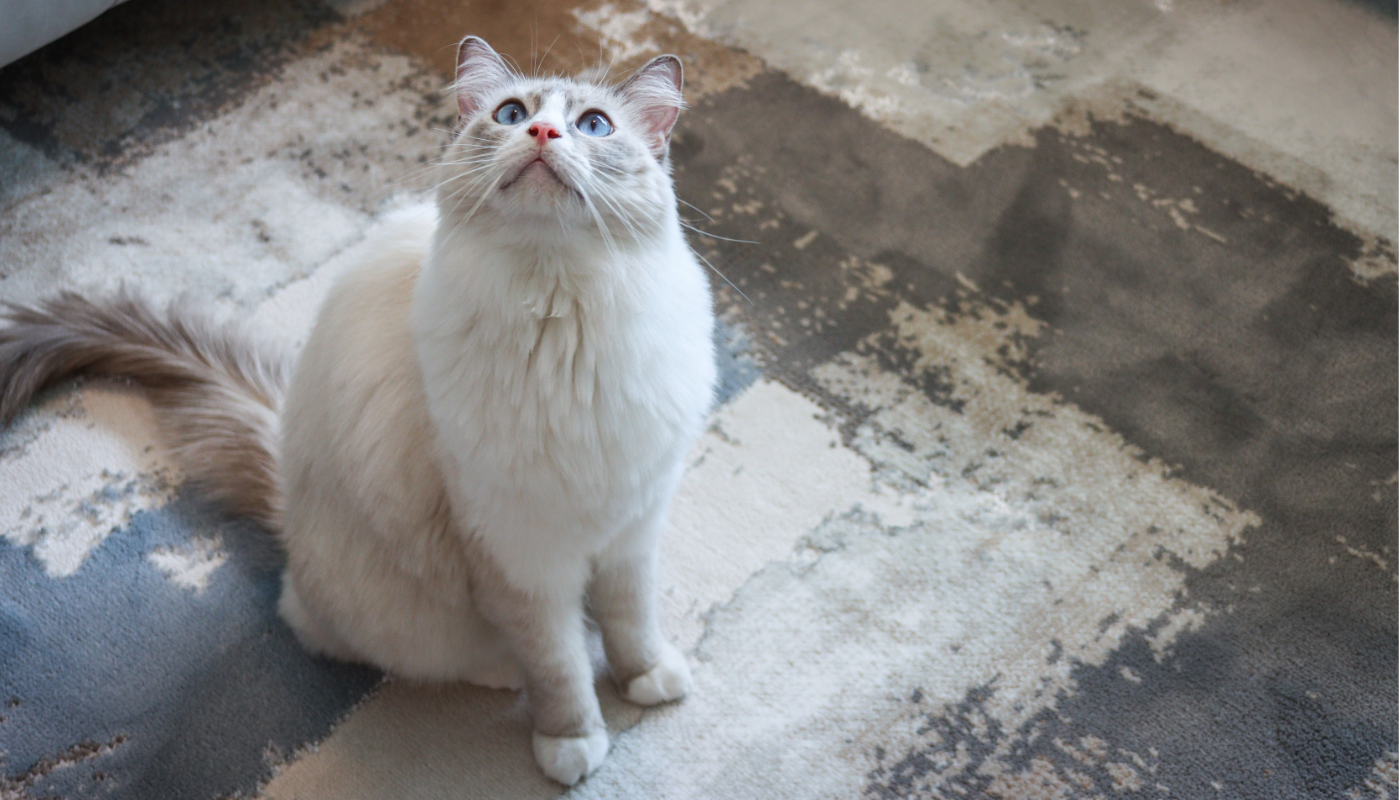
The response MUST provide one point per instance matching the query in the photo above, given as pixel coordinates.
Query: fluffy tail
(216, 393)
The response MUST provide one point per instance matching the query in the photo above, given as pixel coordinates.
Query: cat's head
(561, 153)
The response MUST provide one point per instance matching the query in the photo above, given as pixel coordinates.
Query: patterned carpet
(1055, 455)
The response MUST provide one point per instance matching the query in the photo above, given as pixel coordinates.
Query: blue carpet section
(115, 682)
(736, 366)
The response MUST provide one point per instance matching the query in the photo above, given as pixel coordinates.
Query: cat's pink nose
(543, 131)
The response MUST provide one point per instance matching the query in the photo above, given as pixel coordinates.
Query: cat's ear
(654, 91)
(480, 70)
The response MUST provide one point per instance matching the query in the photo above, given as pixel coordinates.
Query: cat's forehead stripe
(536, 93)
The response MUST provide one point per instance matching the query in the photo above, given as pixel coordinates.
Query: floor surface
(1055, 455)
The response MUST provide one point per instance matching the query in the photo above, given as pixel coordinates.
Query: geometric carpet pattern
(1054, 456)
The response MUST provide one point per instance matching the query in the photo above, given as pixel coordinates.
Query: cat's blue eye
(511, 113)
(594, 124)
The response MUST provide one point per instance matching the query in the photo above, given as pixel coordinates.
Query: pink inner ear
(479, 71)
(659, 122)
(655, 93)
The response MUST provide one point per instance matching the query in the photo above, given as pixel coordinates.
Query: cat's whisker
(458, 136)
(412, 182)
(603, 230)
(546, 52)
(484, 196)
(439, 164)
(559, 219)
(414, 177)
(722, 275)
(694, 229)
(618, 212)
(462, 162)
(466, 187)
(482, 167)
(602, 226)
(469, 148)
(534, 48)
(697, 208)
(513, 65)
(635, 207)
(632, 232)
(461, 193)
(611, 61)
(475, 158)
(624, 217)
(607, 173)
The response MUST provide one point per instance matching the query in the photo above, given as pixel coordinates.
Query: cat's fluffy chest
(559, 395)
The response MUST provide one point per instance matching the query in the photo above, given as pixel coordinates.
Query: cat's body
(569, 431)
(485, 429)
(377, 567)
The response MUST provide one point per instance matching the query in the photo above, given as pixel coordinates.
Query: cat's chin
(545, 213)
(538, 193)
(536, 179)
(539, 173)
(543, 218)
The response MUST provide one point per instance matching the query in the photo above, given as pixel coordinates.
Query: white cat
(482, 437)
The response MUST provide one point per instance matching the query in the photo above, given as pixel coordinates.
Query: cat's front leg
(544, 625)
(622, 597)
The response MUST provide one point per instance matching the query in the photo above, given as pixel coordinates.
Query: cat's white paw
(568, 759)
(668, 680)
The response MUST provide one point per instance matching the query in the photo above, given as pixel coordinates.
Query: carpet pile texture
(1055, 455)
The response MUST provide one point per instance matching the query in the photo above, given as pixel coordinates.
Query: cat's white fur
(485, 430)
(370, 542)
(482, 436)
